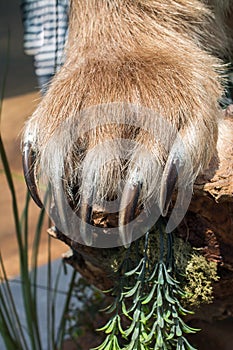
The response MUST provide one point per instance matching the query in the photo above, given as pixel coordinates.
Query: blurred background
(21, 95)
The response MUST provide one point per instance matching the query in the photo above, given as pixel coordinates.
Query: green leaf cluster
(147, 313)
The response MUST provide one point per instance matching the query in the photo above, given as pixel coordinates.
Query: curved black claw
(85, 213)
(168, 183)
(60, 202)
(129, 201)
(29, 158)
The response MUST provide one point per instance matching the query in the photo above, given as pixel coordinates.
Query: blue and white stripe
(45, 32)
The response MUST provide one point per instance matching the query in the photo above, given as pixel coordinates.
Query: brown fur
(129, 64)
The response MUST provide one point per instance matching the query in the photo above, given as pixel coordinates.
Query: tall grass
(29, 335)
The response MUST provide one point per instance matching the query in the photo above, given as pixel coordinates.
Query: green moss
(200, 275)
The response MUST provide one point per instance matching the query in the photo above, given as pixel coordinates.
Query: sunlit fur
(130, 65)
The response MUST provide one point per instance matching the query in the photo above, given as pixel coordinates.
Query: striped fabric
(45, 31)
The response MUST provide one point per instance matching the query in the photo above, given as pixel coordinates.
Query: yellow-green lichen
(200, 275)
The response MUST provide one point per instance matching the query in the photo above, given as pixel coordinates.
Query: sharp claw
(168, 183)
(129, 201)
(29, 158)
(60, 202)
(85, 213)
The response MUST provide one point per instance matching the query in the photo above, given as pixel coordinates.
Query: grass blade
(9, 315)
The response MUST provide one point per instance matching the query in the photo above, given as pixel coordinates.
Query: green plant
(147, 299)
(15, 334)
(200, 274)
